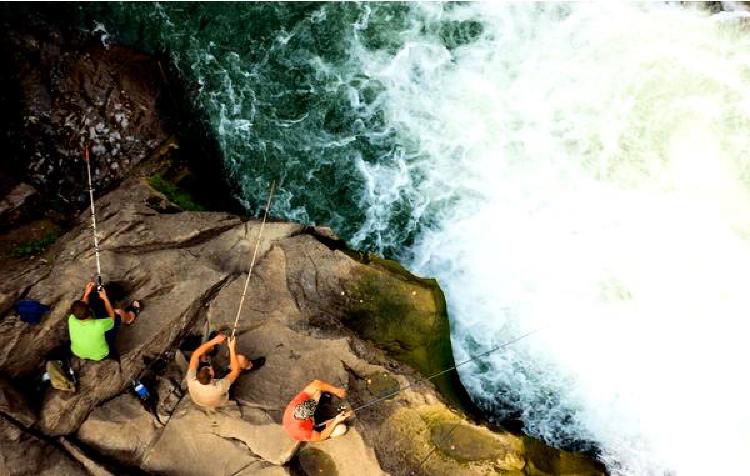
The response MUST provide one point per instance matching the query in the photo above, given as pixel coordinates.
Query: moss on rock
(406, 316)
(314, 462)
(441, 442)
(381, 384)
(174, 194)
(544, 460)
(465, 443)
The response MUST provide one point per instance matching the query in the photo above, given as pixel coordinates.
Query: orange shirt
(300, 430)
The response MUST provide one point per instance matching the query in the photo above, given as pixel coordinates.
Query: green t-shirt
(87, 337)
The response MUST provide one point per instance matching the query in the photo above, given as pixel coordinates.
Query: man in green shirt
(91, 338)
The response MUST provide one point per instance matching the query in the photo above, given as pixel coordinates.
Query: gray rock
(93, 468)
(12, 206)
(349, 453)
(121, 429)
(23, 454)
(72, 94)
(192, 443)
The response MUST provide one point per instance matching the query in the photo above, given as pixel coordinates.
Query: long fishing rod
(435, 375)
(455, 425)
(93, 218)
(255, 253)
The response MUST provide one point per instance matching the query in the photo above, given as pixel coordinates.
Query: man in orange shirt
(303, 420)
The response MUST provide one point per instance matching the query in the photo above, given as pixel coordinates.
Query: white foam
(587, 171)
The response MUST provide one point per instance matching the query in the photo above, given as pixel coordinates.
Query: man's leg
(111, 334)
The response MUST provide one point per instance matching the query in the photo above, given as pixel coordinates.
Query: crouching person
(305, 418)
(207, 391)
(91, 338)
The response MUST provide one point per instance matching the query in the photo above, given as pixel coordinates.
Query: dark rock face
(13, 404)
(74, 94)
(15, 202)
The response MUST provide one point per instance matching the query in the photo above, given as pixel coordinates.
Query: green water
(283, 90)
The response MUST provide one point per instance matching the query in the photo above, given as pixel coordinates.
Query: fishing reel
(343, 409)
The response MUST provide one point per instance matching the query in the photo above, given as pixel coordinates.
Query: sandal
(135, 307)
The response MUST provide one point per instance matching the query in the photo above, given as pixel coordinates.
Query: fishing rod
(455, 425)
(138, 387)
(93, 219)
(255, 253)
(442, 372)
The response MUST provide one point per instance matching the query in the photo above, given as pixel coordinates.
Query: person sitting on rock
(92, 338)
(207, 391)
(305, 418)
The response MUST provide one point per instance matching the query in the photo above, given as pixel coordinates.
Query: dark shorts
(325, 410)
(111, 334)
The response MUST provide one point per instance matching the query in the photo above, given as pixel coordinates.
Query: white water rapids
(589, 165)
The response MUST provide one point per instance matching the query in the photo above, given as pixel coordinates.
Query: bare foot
(245, 363)
(130, 316)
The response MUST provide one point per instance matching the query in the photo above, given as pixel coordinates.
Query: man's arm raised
(107, 304)
(203, 348)
(234, 363)
(89, 287)
(320, 386)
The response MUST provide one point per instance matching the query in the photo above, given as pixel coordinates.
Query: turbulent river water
(580, 168)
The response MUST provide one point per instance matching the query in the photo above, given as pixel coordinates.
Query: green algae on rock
(544, 460)
(174, 194)
(406, 316)
(381, 384)
(465, 443)
(444, 443)
(314, 462)
(441, 442)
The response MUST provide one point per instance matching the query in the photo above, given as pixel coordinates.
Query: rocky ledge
(307, 297)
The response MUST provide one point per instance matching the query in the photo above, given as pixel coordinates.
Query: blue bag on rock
(31, 311)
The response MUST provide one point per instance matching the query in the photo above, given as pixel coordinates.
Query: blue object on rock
(31, 311)
(140, 390)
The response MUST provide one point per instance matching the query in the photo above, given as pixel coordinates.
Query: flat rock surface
(348, 455)
(22, 454)
(121, 429)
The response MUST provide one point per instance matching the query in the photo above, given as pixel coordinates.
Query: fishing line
(255, 253)
(435, 375)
